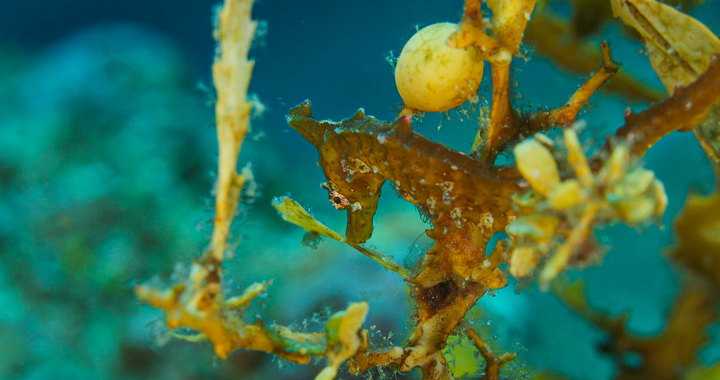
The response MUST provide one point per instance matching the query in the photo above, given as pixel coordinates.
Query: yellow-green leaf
(294, 213)
(680, 49)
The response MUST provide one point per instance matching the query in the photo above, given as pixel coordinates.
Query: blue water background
(107, 155)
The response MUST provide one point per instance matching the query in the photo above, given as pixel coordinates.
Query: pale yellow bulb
(537, 165)
(434, 77)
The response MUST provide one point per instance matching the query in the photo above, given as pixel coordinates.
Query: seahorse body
(360, 153)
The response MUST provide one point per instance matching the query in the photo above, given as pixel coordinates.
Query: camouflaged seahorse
(360, 153)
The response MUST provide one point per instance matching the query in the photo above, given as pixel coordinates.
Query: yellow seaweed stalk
(232, 71)
(198, 302)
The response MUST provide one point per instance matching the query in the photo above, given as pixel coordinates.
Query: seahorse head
(351, 184)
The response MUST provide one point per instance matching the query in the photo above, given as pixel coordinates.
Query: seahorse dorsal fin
(301, 110)
(300, 118)
(402, 124)
(359, 115)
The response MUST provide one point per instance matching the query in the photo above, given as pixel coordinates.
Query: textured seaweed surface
(106, 179)
(360, 153)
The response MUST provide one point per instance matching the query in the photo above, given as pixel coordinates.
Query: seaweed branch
(549, 203)
(231, 74)
(508, 25)
(494, 362)
(684, 111)
(294, 213)
(198, 302)
(672, 353)
(562, 117)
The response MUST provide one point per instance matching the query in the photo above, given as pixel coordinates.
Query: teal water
(107, 160)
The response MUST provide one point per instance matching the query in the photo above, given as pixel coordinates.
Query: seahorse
(360, 153)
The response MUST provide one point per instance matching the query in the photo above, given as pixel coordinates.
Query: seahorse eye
(338, 200)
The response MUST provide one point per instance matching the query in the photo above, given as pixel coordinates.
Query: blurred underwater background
(107, 160)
